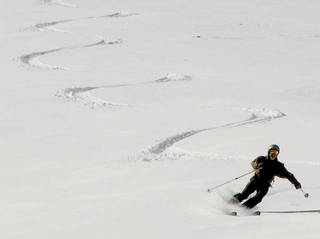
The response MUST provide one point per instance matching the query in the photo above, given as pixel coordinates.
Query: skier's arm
(257, 164)
(286, 174)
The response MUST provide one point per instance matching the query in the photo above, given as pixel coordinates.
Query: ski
(258, 213)
(292, 211)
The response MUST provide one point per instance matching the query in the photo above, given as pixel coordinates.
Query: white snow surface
(117, 116)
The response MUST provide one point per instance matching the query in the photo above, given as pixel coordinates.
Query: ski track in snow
(83, 96)
(31, 59)
(49, 25)
(160, 151)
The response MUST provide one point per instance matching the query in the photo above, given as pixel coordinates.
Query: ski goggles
(274, 151)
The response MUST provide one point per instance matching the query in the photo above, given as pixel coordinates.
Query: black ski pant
(256, 184)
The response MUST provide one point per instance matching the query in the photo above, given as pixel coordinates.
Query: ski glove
(297, 185)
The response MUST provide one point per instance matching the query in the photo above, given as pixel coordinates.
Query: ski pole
(306, 195)
(220, 185)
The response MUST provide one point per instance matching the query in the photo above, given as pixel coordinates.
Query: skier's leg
(250, 188)
(261, 192)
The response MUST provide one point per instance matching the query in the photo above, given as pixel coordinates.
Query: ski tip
(234, 213)
(257, 213)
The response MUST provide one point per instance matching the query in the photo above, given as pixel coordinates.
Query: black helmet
(273, 147)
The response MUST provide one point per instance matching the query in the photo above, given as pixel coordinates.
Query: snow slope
(116, 116)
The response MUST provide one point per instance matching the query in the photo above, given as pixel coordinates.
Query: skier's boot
(236, 199)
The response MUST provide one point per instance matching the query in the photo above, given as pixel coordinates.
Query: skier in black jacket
(266, 168)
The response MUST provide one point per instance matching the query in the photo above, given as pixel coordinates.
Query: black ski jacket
(266, 169)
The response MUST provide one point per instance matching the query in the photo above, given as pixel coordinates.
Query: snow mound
(264, 113)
